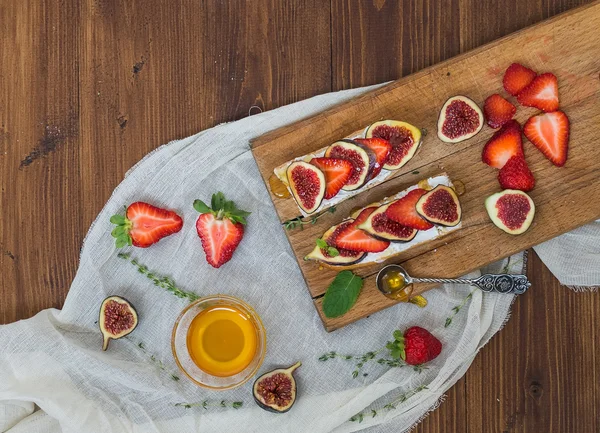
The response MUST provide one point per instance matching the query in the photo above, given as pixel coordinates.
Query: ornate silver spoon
(500, 283)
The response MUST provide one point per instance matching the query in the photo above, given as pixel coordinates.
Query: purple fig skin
(297, 194)
(443, 115)
(366, 174)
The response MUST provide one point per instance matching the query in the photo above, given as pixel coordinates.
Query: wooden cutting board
(567, 197)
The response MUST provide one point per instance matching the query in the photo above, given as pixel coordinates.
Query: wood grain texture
(573, 57)
(164, 71)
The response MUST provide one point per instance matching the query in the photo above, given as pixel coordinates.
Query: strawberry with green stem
(220, 228)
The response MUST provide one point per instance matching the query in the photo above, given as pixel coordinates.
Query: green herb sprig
(294, 223)
(331, 251)
(341, 294)
(456, 309)
(157, 362)
(359, 417)
(159, 280)
(208, 403)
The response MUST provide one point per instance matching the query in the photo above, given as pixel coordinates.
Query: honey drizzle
(278, 188)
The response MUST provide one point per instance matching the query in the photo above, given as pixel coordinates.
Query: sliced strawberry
(549, 132)
(498, 110)
(220, 228)
(516, 78)
(516, 175)
(336, 171)
(503, 145)
(542, 93)
(404, 211)
(354, 239)
(144, 225)
(382, 149)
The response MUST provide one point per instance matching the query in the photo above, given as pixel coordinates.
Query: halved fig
(117, 319)
(440, 206)
(275, 391)
(344, 258)
(404, 138)
(404, 211)
(511, 210)
(362, 158)
(380, 226)
(307, 183)
(354, 239)
(460, 119)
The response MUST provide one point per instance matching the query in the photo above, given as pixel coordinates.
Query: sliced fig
(380, 226)
(440, 206)
(307, 183)
(511, 210)
(460, 119)
(362, 158)
(381, 148)
(276, 390)
(344, 258)
(117, 319)
(404, 138)
(355, 239)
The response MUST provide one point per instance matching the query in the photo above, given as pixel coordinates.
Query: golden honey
(278, 188)
(394, 285)
(222, 340)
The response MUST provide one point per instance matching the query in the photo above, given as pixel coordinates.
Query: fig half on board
(460, 119)
(510, 210)
(117, 319)
(275, 391)
(440, 206)
(307, 184)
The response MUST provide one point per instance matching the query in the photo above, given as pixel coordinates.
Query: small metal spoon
(500, 283)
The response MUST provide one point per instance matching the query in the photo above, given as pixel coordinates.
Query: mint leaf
(333, 252)
(341, 294)
(117, 219)
(322, 244)
(201, 207)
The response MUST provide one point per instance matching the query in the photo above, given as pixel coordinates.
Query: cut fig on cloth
(440, 206)
(511, 210)
(362, 158)
(460, 119)
(117, 319)
(344, 257)
(404, 138)
(381, 226)
(307, 184)
(276, 390)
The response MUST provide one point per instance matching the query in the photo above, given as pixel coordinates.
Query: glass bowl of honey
(219, 342)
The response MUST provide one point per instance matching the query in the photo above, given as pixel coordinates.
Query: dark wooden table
(88, 87)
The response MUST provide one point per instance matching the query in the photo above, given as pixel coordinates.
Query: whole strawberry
(144, 225)
(417, 346)
(220, 228)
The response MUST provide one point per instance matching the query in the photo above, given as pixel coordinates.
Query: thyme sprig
(457, 308)
(359, 417)
(294, 223)
(209, 403)
(157, 362)
(159, 280)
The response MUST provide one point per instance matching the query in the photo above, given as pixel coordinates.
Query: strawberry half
(354, 239)
(220, 228)
(498, 110)
(549, 132)
(516, 78)
(503, 145)
(336, 171)
(382, 149)
(516, 175)
(144, 225)
(404, 211)
(542, 93)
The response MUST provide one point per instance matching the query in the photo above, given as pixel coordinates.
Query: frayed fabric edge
(433, 407)
(581, 289)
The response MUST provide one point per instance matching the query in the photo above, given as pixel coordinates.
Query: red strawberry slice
(354, 239)
(404, 211)
(144, 225)
(516, 175)
(542, 93)
(503, 145)
(498, 110)
(220, 228)
(336, 171)
(382, 149)
(516, 78)
(549, 132)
